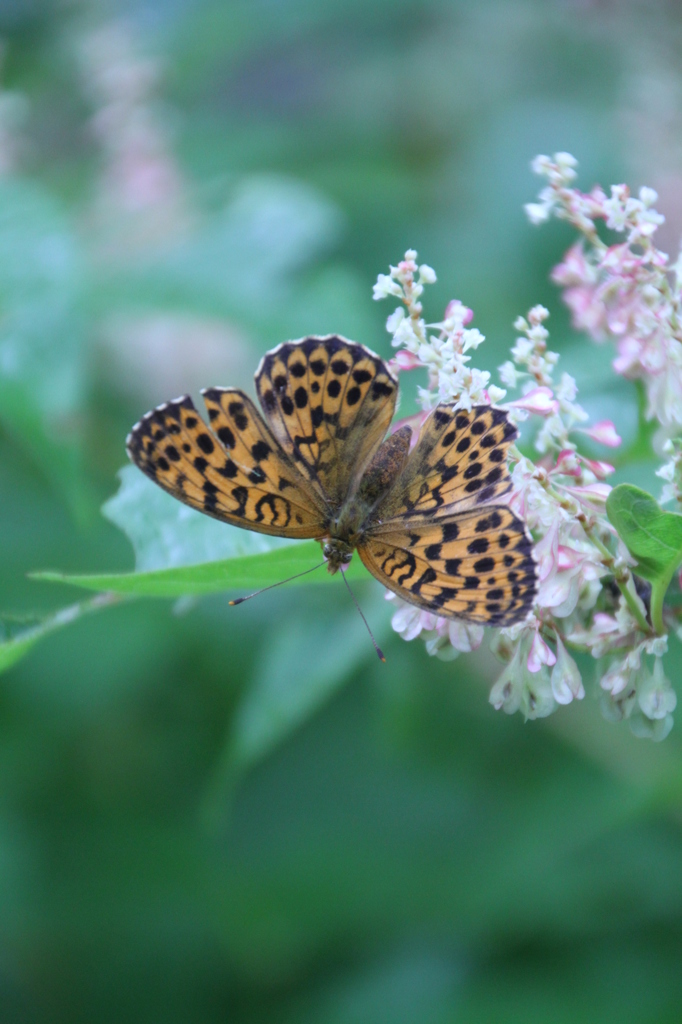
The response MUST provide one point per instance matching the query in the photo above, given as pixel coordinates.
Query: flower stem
(622, 577)
(658, 590)
(634, 607)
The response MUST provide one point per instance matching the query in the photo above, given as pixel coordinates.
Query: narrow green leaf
(14, 649)
(248, 572)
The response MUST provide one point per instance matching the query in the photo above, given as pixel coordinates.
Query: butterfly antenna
(240, 600)
(371, 635)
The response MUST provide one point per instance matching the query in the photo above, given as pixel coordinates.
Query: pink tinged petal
(574, 270)
(604, 432)
(587, 310)
(628, 358)
(600, 469)
(567, 463)
(559, 591)
(566, 682)
(540, 401)
(540, 654)
(568, 558)
(404, 360)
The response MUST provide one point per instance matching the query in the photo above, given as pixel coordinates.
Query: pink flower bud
(604, 623)
(540, 654)
(604, 432)
(591, 495)
(463, 312)
(567, 463)
(600, 469)
(404, 360)
(568, 558)
(540, 401)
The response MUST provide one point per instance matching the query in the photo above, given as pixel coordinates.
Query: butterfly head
(337, 552)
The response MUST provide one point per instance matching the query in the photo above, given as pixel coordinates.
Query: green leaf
(15, 648)
(652, 536)
(248, 572)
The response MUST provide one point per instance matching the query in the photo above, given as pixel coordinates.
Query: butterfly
(317, 464)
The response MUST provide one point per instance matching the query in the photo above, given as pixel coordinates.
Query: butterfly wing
(329, 403)
(477, 565)
(458, 463)
(436, 540)
(235, 471)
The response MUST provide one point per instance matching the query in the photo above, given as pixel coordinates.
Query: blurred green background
(182, 186)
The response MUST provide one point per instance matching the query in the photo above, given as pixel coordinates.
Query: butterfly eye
(346, 558)
(327, 550)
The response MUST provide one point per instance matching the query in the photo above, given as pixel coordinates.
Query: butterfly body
(355, 521)
(317, 464)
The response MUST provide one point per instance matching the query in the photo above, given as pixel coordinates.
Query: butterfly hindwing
(235, 471)
(329, 403)
(458, 463)
(476, 565)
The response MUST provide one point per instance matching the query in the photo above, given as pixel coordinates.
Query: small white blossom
(538, 213)
(509, 374)
(565, 679)
(394, 320)
(655, 695)
(386, 286)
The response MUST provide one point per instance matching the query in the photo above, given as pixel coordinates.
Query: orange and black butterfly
(317, 464)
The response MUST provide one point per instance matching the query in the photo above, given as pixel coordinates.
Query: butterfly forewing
(237, 474)
(476, 565)
(459, 462)
(329, 403)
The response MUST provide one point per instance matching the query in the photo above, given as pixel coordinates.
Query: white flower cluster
(444, 354)
(627, 292)
(587, 598)
(644, 696)
(562, 499)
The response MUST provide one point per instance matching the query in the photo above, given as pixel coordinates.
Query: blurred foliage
(208, 818)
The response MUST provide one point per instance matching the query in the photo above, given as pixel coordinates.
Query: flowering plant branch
(605, 555)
